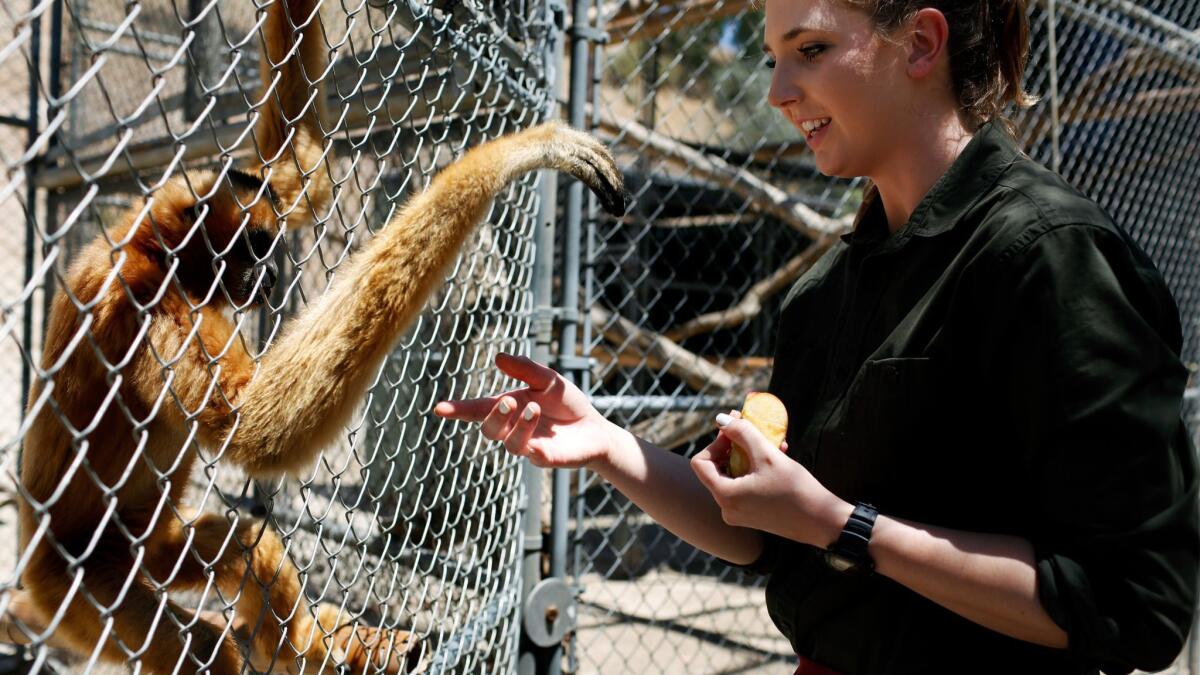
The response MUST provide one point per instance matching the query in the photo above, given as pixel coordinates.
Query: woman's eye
(811, 52)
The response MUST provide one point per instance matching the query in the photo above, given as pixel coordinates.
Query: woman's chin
(833, 169)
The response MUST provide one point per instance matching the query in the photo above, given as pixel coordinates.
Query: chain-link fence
(405, 523)
(729, 209)
(400, 544)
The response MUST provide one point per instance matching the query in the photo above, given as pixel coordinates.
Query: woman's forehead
(787, 19)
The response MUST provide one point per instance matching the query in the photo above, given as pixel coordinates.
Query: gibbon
(152, 368)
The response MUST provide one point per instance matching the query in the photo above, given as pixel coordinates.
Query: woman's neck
(925, 155)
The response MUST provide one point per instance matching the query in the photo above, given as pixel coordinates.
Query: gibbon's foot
(595, 167)
(365, 649)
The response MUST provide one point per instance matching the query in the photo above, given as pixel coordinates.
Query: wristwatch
(849, 553)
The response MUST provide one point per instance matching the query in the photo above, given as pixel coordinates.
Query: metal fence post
(32, 129)
(575, 366)
(538, 622)
(206, 49)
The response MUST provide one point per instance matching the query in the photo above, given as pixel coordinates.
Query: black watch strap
(849, 552)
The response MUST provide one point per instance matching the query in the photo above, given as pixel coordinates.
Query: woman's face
(841, 84)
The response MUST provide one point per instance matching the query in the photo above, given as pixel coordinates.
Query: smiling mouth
(810, 127)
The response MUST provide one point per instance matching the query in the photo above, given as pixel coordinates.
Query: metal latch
(550, 611)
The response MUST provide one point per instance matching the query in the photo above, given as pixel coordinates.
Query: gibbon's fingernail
(504, 409)
(528, 414)
(723, 419)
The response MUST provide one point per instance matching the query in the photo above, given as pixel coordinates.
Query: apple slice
(767, 414)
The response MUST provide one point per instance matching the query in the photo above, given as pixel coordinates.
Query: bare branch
(660, 352)
(637, 23)
(672, 429)
(761, 194)
(751, 303)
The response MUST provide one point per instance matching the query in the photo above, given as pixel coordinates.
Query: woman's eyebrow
(790, 35)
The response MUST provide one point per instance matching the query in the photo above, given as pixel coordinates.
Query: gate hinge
(544, 319)
(542, 326)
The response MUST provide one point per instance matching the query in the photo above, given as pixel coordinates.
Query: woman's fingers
(517, 441)
(537, 376)
(499, 421)
(470, 410)
(707, 468)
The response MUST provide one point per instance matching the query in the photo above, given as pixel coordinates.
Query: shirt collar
(972, 174)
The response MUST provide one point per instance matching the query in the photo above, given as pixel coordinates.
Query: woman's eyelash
(811, 52)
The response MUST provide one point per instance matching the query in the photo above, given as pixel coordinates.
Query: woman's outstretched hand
(550, 421)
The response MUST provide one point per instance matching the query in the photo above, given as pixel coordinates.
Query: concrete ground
(671, 622)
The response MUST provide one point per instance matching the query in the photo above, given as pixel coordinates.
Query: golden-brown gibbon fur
(151, 369)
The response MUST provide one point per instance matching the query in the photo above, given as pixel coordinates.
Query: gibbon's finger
(537, 376)
(498, 422)
(468, 410)
(517, 441)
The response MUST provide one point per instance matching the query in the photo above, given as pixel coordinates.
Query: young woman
(986, 469)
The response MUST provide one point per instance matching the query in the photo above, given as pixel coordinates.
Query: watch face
(838, 562)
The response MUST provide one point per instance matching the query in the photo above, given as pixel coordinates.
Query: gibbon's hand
(778, 495)
(551, 421)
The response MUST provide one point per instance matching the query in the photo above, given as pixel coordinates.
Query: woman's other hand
(550, 421)
(778, 495)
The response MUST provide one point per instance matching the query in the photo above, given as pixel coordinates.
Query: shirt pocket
(892, 397)
(889, 424)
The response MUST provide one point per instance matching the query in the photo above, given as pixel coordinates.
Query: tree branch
(751, 303)
(661, 352)
(761, 194)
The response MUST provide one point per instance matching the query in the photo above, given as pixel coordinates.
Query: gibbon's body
(156, 321)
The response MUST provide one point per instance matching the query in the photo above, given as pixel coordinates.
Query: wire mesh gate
(404, 523)
(665, 317)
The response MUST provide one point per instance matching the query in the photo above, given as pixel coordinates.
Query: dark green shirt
(1007, 362)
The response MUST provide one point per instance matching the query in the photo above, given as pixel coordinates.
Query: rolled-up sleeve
(1094, 383)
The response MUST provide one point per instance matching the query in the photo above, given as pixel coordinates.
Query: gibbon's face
(840, 83)
(235, 246)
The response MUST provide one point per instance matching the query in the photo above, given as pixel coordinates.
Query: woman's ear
(928, 41)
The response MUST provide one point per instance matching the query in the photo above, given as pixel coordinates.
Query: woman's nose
(783, 90)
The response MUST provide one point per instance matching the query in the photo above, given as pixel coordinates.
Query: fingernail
(504, 409)
(528, 414)
(723, 419)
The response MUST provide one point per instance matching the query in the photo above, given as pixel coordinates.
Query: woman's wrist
(832, 521)
(819, 521)
(617, 443)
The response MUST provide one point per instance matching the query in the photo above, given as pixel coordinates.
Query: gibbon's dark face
(239, 255)
(250, 272)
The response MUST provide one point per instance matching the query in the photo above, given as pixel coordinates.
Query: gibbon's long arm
(293, 67)
(308, 383)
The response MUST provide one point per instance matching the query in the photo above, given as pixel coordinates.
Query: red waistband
(810, 667)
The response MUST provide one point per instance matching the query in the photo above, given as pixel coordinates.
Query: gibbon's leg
(309, 382)
(288, 131)
(133, 618)
(253, 568)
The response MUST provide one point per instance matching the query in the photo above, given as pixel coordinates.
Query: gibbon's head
(223, 239)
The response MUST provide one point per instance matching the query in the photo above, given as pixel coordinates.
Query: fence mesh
(410, 524)
(684, 292)
(403, 522)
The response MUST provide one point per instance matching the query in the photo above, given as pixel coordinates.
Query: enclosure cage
(664, 316)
